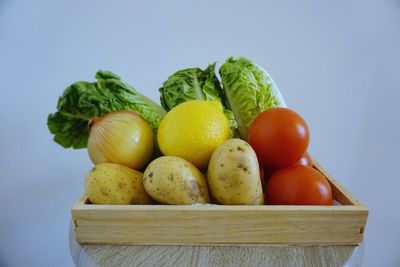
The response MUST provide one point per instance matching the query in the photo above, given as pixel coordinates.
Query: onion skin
(122, 137)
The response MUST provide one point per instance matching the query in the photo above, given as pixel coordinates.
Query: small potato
(173, 180)
(110, 183)
(234, 176)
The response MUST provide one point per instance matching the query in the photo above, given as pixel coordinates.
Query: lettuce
(82, 101)
(195, 83)
(249, 91)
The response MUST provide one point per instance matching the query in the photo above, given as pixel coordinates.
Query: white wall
(336, 62)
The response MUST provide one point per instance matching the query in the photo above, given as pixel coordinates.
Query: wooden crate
(341, 224)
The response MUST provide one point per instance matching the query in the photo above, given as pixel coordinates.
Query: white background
(336, 62)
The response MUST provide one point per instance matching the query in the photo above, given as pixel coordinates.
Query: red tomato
(279, 137)
(305, 160)
(298, 185)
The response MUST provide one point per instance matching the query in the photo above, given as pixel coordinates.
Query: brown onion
(122, 137)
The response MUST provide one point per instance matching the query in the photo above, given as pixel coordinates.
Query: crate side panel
(208, 227)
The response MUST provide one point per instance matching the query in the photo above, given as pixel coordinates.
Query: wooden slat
(215, 226)
(340, 193)
(219, 224)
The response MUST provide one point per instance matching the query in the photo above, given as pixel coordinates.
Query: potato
(173, 180)
(233, 174)
(110, 183)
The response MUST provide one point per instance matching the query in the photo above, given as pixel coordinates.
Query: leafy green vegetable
(249, 90)
(82, 101)
(195, 83)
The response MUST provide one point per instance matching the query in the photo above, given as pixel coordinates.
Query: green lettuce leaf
(195, 83)
(249, 90)
(82, 101)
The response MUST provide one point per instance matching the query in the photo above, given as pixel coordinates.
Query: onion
(122, 137)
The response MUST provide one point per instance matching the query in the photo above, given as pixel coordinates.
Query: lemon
(193, 130)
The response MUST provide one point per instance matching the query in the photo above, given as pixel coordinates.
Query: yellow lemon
(193, 130)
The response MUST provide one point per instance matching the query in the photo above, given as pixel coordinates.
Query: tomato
(279, 137)
(305, 160)
(298, 185)
(266, 172)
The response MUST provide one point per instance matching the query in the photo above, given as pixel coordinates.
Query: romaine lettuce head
(249, 90)
(82, 101)
(195, 83)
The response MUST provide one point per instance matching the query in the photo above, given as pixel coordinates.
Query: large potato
(234, 176)
(173, 180)
(110, 183)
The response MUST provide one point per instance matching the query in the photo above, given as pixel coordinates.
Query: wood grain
(204, 255)
(222, 224)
